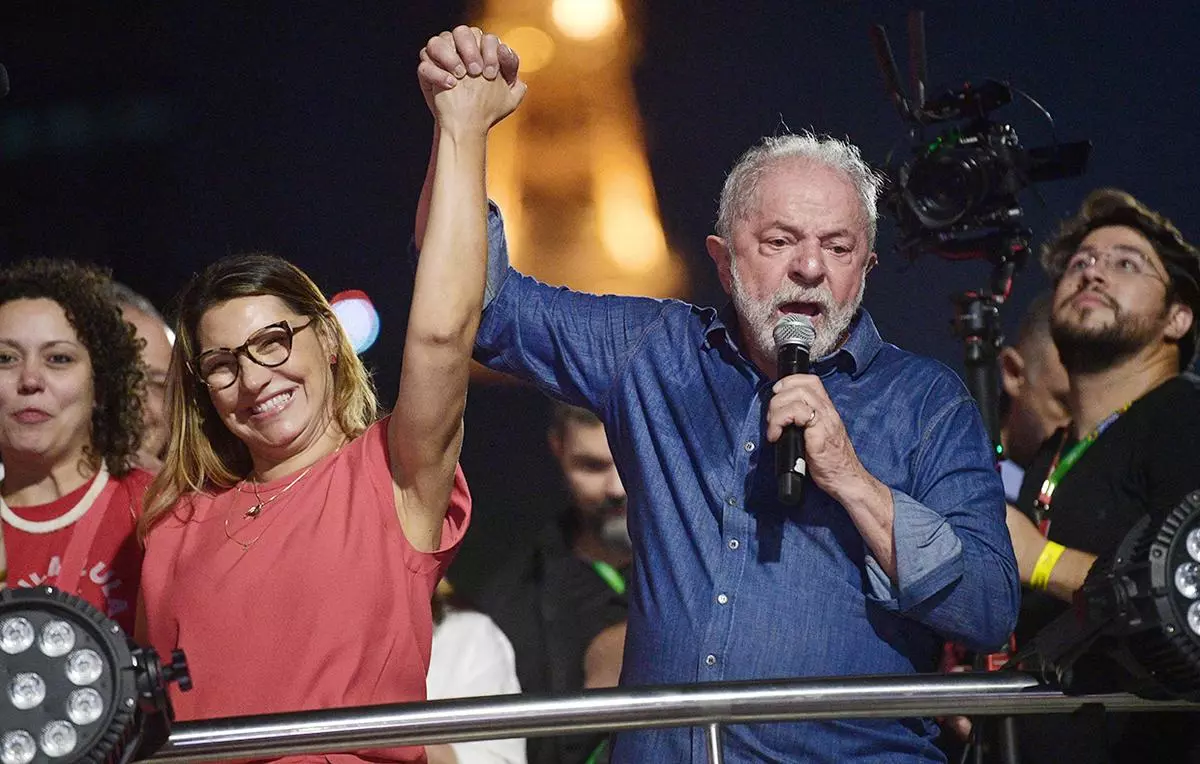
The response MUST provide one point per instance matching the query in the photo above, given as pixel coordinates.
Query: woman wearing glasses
(71, 381)
(293, 542)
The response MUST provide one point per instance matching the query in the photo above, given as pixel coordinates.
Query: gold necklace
(256, 509)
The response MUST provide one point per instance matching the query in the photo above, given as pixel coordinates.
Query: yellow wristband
(1045, 565)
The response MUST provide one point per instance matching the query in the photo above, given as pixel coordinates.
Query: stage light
(628, 221)
(358, 318)
(537, 47)
(585, 19)
(76, 689)
(1140, 608)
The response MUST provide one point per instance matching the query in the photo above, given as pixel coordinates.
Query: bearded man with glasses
(293, 537)
(1124, 319)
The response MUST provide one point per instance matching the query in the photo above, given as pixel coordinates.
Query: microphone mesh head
(794, 329)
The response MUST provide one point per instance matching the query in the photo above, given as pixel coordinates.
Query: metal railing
(698, 705)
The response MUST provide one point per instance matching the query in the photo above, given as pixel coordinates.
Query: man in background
(1126, 300)
(157, 339)
(1035, 393)
(563, 606)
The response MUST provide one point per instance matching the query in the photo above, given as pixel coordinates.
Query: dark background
(155, 137)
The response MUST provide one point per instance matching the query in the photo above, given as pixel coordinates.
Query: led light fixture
(74, 687)
(1137, 617)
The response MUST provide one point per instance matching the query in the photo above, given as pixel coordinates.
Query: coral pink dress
(328, 608)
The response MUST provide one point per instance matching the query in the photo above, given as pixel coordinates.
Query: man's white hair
(742, 183)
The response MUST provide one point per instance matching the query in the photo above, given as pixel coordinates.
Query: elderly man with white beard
(899, 542)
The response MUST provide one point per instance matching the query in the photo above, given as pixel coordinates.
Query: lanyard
(611, 576)
(1062, 464)
(597, 752)
(616, 582)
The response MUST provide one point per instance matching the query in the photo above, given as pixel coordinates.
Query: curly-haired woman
(71, 383)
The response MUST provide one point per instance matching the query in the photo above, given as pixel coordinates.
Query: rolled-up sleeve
(928, 556)
(497, 262)
(955, 568)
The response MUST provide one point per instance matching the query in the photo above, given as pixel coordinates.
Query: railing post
(714, 744)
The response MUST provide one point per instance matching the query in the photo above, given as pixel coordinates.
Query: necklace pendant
(255, 510)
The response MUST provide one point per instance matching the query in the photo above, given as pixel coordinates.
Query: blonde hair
(202, 454)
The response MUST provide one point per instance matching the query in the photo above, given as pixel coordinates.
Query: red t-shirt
(328, 608)
(109, 565)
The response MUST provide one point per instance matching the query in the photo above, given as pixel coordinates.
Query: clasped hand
(469, 79)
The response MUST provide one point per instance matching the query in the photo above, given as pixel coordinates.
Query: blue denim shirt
(730, 584)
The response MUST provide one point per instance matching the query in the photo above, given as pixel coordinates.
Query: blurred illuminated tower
(569, 168)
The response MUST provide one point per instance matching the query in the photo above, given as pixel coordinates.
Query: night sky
(155, 137)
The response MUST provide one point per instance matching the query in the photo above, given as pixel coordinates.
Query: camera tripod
(977, 324)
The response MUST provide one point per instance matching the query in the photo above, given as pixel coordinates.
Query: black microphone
(3, 81)
(794, 335)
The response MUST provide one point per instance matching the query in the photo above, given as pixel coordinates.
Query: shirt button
(733, 543)
(710, 660)
(722, 599)
(749, 446)
(731, 501)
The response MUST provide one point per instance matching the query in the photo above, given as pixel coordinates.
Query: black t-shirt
(551, 605)
(1144, 463)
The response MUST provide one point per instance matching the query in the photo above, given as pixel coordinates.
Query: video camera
(957, 194)
(957, 197)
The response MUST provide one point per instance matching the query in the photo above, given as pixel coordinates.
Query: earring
(333, 359)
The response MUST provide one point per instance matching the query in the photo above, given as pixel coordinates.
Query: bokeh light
(358, 317)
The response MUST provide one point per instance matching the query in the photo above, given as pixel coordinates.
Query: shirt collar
(854, 356)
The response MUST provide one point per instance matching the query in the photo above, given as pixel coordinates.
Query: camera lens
(944, 188)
